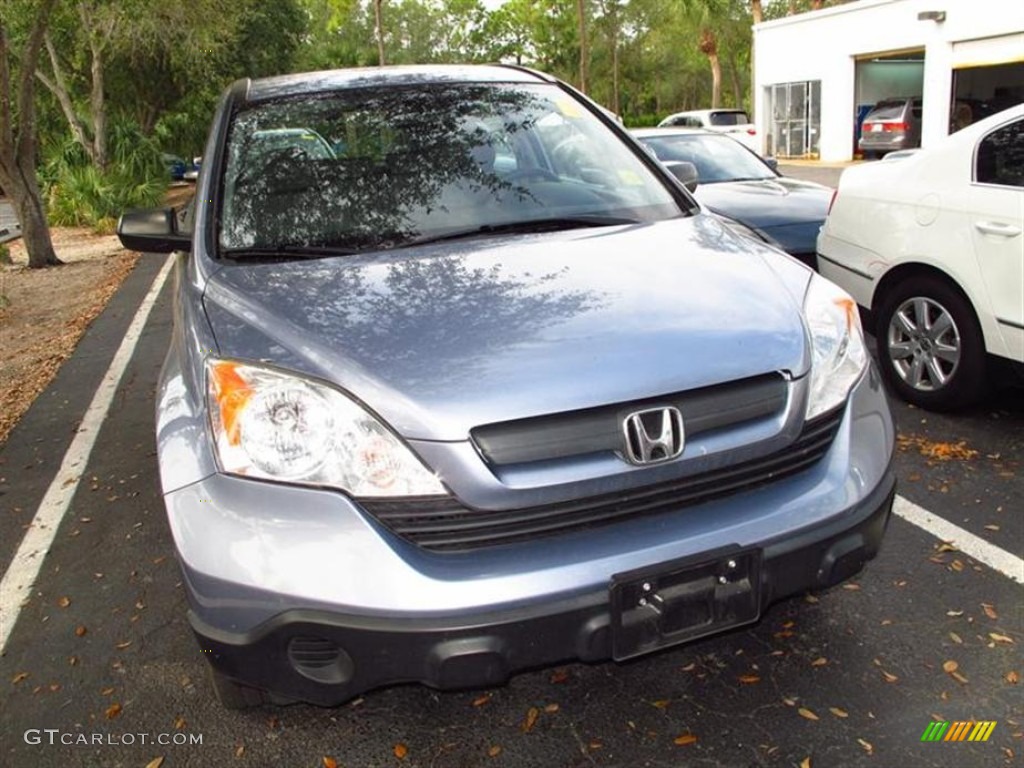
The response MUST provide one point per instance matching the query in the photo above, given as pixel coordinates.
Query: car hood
(767, 202)
(440, 338)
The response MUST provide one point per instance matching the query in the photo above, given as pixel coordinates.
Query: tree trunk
(817, 5)
(709, 47)
(99, 107)
(581, 20)
(380, 30)
(756, 11)
(18, 140)
(616, 107)
(35, 231)
(59, 88)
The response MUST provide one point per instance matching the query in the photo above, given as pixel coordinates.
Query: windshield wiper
(285, 252)
(552, 224)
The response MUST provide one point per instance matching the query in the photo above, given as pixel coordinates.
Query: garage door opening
(884, 77)
(982, 91)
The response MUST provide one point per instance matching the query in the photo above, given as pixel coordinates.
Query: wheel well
(903, 272)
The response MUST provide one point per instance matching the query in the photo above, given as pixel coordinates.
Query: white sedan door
(996, 213)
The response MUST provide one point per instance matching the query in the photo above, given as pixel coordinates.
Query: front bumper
(327, 657)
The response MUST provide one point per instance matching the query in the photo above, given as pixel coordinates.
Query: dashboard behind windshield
(383, 166)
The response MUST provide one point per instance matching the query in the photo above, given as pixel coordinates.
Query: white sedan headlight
(838, 354)
(278, 426)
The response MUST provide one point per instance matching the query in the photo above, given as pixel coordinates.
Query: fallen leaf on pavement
(156, 762)
(821, 661)
(838, 712)
(479, 701)
(80, 630)
(240, 750)
(749, 679)
(401, 751)
(867, 746)
(806, 762)
(112, 711)
(959, 678)
(685, 739)
(1000, 638)
(530, 720)
(125, 644)
(954, 613)
(64, 602)
(19, 677)
(946, 546)
(329, 762)
(956, 638)
(559, 676)
(889, 677)
(851, 587)
(804, 712)
(661, 703)
(1012, 677)
(950, 666)
(106, 691)
(990, 611)
(551, 708)
(494, 751)
(179, 723)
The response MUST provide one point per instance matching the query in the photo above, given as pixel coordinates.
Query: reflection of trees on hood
(400, 150)
(425, 318)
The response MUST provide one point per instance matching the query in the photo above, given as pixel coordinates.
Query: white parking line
(21, 574)
(998, 559)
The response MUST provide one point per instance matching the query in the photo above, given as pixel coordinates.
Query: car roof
(643, 133)
(706, 112)
(337, 79)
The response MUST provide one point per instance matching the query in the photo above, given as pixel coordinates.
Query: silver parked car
(483, 389)
(891, 125)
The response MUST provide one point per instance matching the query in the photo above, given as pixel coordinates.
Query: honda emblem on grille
(654, 435)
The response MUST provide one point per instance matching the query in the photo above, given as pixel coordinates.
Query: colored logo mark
(966, 730)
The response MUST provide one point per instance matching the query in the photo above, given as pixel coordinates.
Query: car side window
(1000, 157)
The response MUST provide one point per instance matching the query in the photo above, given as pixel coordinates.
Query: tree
(18, 134)
(379, 26)
(581, 21)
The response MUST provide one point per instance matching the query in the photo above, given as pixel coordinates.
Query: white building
(817, 73)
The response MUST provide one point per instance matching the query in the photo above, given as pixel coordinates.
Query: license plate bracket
(680, 600)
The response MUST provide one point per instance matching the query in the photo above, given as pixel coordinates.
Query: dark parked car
(175, 166)
(483, 389)
(739, 184)
(891, 125)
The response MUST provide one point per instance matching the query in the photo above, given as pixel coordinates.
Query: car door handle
(995, 228)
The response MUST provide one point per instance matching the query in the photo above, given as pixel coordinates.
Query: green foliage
(79, 194)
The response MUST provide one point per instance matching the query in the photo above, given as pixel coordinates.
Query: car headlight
(838, 354)
(279, 426)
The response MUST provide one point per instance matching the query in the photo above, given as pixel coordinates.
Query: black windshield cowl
(285, 252)
(553, 224)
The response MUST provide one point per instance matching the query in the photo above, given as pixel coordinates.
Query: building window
(795, 126)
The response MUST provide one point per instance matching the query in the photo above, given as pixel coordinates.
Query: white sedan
(932, 244)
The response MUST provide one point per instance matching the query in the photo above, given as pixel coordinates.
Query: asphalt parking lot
(100, 668)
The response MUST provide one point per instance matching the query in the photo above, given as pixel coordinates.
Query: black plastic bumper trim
(485, 648)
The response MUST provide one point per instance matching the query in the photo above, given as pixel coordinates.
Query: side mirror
(152, 230)
(772, 163)
(685, 172)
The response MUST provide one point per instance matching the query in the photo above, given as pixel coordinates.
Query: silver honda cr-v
(462, 382)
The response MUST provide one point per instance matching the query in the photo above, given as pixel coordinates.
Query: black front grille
(446, 524)
(594, 430)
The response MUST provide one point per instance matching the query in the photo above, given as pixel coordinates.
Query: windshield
(717, 157)
(381, 167)
(887, 110)
(729, 118)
